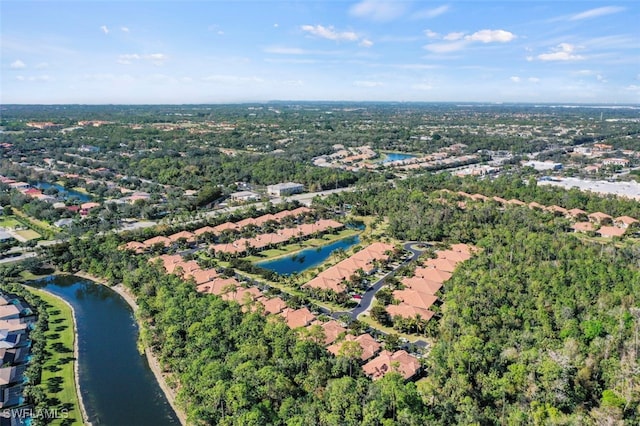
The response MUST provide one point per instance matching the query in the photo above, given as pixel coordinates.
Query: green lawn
(28, 234)
(9, 222)
(58, 381)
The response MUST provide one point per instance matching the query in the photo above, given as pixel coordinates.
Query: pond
(117, 385)
(396, 156)
(63, 192)
(305, 259)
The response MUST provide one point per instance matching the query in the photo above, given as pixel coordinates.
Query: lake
(305, 259)
(117, 385)
(63, 192)
(396, 156)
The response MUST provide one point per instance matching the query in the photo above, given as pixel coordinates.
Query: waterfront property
(305, 259)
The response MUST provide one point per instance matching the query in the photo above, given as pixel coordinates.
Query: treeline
(538, 328)
(235, 368)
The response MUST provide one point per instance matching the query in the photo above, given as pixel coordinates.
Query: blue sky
(241, 51)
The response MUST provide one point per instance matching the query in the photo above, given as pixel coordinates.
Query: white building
(543, 165)
(244, 196)
(287, 188)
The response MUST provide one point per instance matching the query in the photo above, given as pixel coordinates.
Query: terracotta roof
(625, 220)
(415, 298)
(442, 264)
(433, 274)
(463, 248)
(183, 234)
(421, 284)
(599, 216)
(168, 261)
(405, 310)
(368, 344)
(204, 275)
(400, 361)
(204, 230)
(332, 329)
(611, 231)
(576, 212)
(499, 200)
(135, 246)
(479, 197)
(298, 317)
(89, 205)
(224, 227)
(455, 256)
(157, 240)
(535, 205)
(516, 202)
(188, 268)
(583, 227)
(241, 295)
(218, 286)
(274, 305)
(558, 209)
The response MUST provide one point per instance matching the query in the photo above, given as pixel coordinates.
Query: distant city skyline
(149, 52)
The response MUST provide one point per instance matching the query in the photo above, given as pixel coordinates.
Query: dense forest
(539, 327)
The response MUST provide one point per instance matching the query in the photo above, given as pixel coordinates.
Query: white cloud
(597, 12)
(431, 13)
(366, 43)
(446, 47)
(329, 33)
(453, 36)
(431, 34)
(455, 41)
(279, 50)
(38, 78)
(361, 83)
(515, 79)
(533, 80)
(129, 58)
(104, 29)
(377, 10)
(275, 25)
(18, 64)
(491, 36)
(601, 79)
(124, 29)
(562, 52)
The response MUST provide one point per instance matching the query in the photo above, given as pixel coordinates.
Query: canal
(116, 383)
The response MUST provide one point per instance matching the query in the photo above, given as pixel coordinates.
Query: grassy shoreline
(59, 379)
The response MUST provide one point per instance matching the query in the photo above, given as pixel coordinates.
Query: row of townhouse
(190, 237)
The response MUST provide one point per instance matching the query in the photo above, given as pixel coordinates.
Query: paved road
(367, 297)
(18, 258)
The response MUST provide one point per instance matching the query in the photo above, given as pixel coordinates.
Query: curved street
(367, 297)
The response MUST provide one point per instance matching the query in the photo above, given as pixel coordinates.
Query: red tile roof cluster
(333, 277)
(596, 217)
(191, 236)
(419, 293)
(297, 317)
(400, 361)
(368, 344)
(283, 235)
